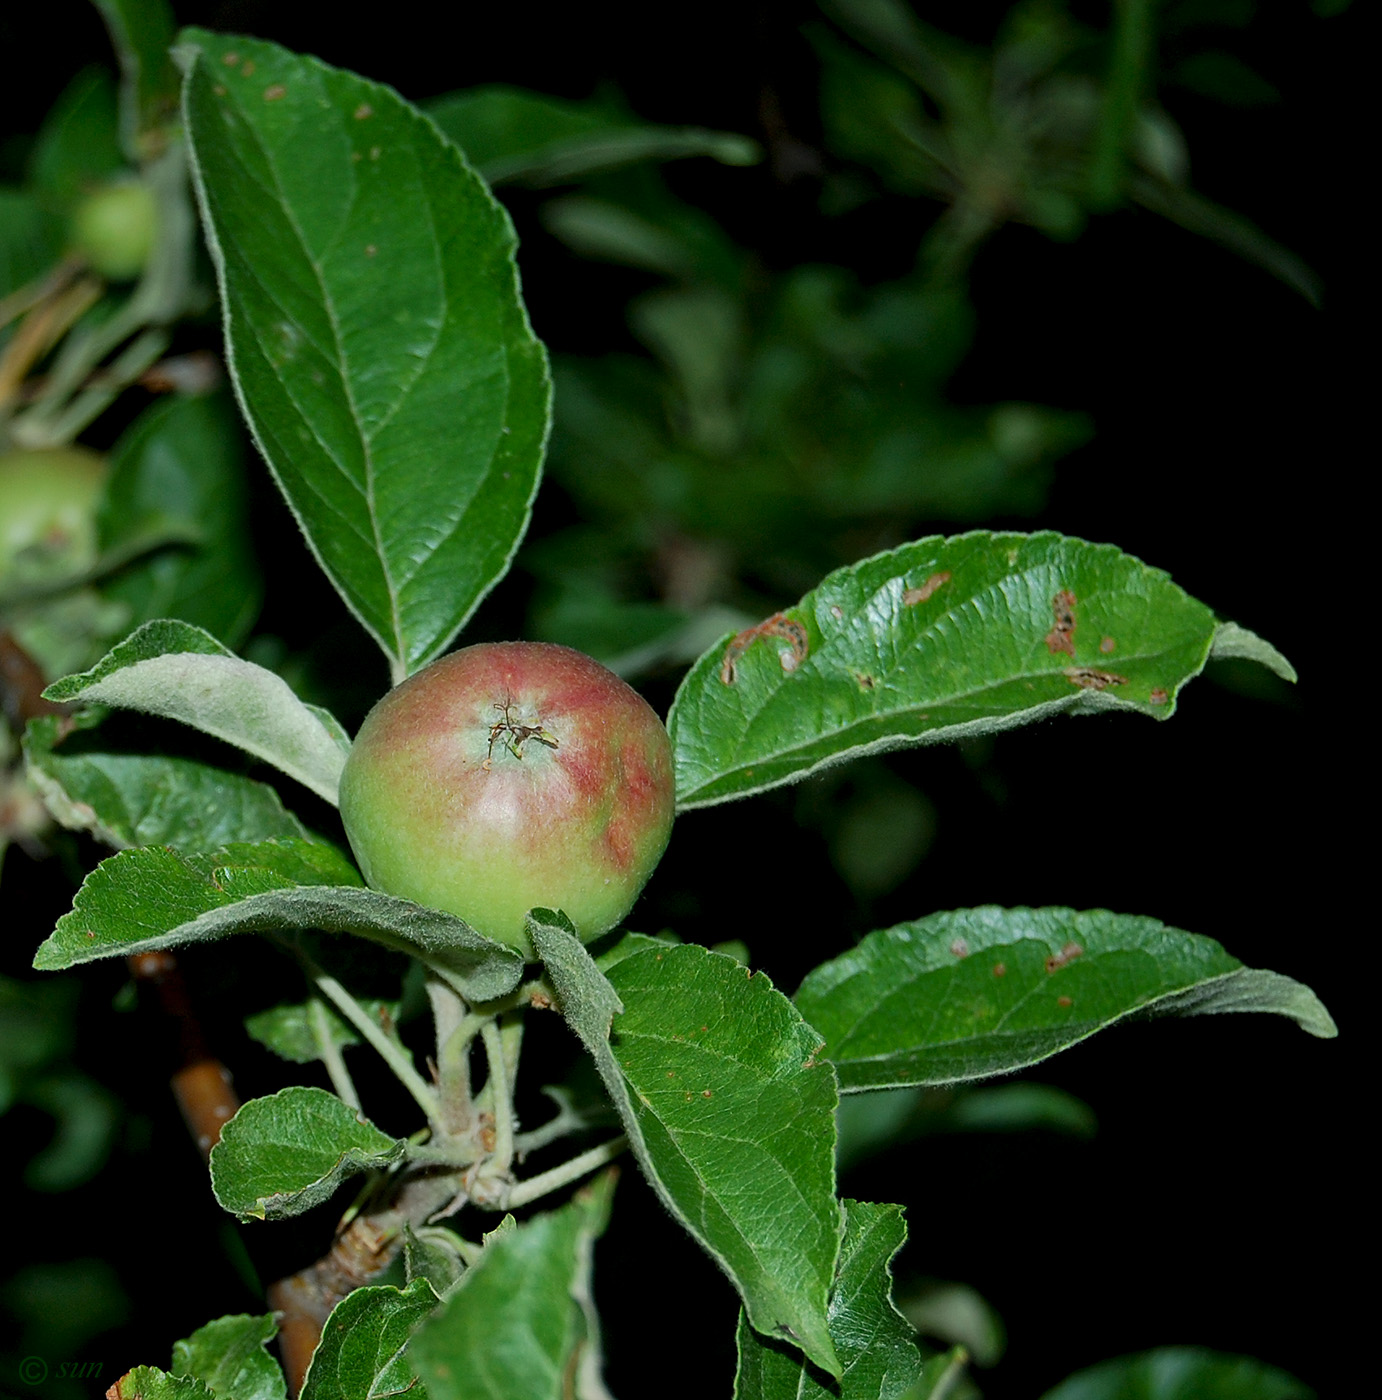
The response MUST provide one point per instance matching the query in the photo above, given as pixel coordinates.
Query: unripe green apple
(509, 776)
(48, 504)
(113, 229)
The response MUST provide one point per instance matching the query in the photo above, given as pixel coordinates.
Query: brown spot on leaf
(1061, 638)
(778, 625)
(231, 59)
(370, 250)
(960, 948)
(218, 89)
(836, 611)
(274, 92)
(866, 682)
(1091, 678)
(248, 69)
(1068, 954)
(362, 111)
(913, 596)
(1107, 645)
(705, 1093)
(1000, 969)
(374, 152)
(1158, 697)
(1064, 1001)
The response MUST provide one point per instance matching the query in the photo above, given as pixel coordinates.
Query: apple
(508, 776)
(49, 499)
(113, 228)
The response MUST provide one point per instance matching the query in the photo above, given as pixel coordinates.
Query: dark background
(1221, 1194)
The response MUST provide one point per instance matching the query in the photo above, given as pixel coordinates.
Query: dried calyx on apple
(509, 776)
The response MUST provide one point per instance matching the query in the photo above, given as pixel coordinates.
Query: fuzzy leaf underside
(144, 900)
(177, 671)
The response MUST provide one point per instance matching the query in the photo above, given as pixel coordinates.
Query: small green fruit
(509, 776)
(113, 229)
(48, 505)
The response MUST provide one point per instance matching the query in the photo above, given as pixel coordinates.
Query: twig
(202, 1086)
(567, 1172)
(330, 1053)
(395, 1056)
(500, 1090)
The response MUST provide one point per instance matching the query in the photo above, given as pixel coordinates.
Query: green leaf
(228, 1356)
(287, 1029)
(977, 992)
(30, 240)
(521, 1323)
(142, 31)
(873, 1340)
(434, 1253)
(284, 1154)
(516, 137)
(942, 1378)
(180, 466)
(408, 444)
(78, 146)
(143, 900)
(149, 1383)
(1181, 1373)
(935, 640)
(181, 672)
(727, 1108)
(131, 799)
(363, 1353)
(1232, 641)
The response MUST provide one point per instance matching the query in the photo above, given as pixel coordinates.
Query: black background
(1222, 1193)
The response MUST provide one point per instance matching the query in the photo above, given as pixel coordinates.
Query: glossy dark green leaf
(284, 1154)
(149, 1383)
(142, 31)
(976, 992)
(143, 900)
(1182, 1373)
(180, 464)
(936, 640)
(182, 672)
(364, 1352)
(728, 1110)
(875, 1343)
(132, 799)
(520, 1324)
(228, 1356)
(408, 443)
(512, 136)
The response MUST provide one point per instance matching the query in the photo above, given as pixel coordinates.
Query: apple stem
(394, 1055)
(567, 1172)
(456, 1029)
(500, 1092)
(330, 1053)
